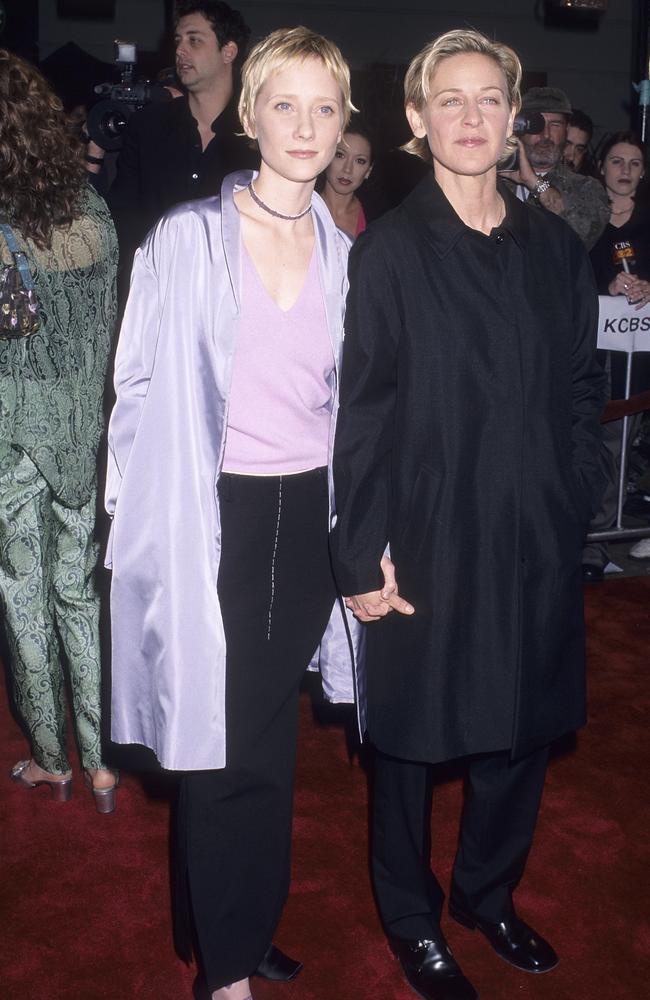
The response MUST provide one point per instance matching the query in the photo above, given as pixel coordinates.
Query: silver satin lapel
(231, 229)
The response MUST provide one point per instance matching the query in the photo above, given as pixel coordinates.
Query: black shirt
(162, 164)
(637, 232)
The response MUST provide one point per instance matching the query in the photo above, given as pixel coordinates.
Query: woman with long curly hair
(51, 387)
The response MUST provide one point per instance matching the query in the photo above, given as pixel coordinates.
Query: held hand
(636, 290)
(377, 604)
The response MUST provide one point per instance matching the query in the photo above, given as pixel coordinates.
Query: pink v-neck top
(280, 396)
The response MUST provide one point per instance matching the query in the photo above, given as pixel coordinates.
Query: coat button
(500, 237)
(195, 177)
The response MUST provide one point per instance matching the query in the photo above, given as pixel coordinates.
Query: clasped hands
(377, 604)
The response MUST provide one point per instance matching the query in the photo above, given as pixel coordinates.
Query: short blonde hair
(417, 83)
(273, 53)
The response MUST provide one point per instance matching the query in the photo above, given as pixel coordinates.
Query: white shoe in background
(641, 549)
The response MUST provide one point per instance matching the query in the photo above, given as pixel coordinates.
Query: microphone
(528, 123)
(624, 257)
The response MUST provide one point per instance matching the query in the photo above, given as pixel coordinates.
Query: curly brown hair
(41, 163)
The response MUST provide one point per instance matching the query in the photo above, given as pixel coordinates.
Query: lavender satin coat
(166, 441)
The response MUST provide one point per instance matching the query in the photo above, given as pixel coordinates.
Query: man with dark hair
(227, 24)
(182, 149)
(542, 177)
(580, 130)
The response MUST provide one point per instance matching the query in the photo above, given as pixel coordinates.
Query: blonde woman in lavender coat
(220, 445)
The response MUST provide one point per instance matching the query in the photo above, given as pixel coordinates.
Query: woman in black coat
(467, 442)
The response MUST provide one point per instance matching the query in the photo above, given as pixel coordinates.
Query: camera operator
(181, 149)
(542, 176)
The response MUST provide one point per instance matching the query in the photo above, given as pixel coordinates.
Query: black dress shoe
(277, 966)
(513, 940)
(592, 573)
(431, 969)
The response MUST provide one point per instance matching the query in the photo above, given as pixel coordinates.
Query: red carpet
(84, 899)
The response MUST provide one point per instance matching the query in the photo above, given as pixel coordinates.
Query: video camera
(525, 123)
(108, 118)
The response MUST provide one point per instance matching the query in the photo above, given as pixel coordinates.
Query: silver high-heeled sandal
(104, 797)
(61, 790)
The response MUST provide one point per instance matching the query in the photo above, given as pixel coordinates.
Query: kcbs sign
(621, 327)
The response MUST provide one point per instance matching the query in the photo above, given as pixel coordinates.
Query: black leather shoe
(277, 966)
(513, 940)
(592, 573)
(431, 969)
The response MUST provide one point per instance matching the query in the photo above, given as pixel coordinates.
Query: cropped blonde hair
(417, 83)
(273, 53)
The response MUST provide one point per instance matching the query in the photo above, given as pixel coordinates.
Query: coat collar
(432, 213)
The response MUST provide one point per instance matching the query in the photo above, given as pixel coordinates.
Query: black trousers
(276, 592)
(500, 810)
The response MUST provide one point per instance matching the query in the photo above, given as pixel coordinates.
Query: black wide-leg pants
(276, 592)
(501, 805)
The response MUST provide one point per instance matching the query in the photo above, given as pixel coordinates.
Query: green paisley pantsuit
(51, 389)
(47, 562)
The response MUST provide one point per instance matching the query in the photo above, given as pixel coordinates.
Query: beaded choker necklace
(276, 215)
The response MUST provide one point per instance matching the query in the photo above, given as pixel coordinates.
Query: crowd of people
(366, 441)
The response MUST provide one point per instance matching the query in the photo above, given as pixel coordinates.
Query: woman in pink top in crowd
(219, 484)
(351, 166)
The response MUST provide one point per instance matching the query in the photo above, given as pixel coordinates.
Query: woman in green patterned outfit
(51, 387)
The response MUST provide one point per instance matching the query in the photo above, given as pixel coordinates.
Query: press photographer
(541, 176)
(181, 149)
(107, 119)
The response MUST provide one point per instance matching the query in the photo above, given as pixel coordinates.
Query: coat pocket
(421, 512)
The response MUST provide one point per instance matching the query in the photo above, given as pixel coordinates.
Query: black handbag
(18, 302)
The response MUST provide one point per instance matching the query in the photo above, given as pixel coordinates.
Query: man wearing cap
(542, 176)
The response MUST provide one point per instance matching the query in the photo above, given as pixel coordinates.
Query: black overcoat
(468, 439)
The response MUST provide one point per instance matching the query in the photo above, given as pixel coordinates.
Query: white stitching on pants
(275, 549)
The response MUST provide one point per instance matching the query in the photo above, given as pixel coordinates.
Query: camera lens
(106, 123)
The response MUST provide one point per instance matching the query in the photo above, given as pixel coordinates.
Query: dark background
(594, 57)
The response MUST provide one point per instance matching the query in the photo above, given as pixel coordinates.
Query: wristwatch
(541, 186)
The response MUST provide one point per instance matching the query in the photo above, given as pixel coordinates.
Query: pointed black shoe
(431, 969)
(513, 940)
(277, 966)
